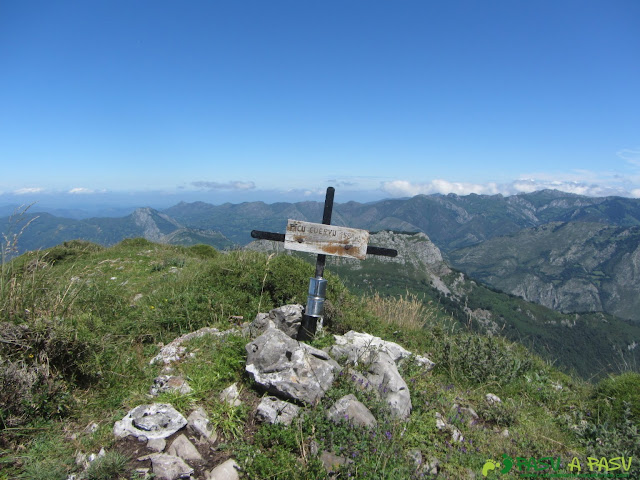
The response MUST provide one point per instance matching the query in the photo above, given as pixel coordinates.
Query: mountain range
(564, 251)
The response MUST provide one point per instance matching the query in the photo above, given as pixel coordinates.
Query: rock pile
(293, 373)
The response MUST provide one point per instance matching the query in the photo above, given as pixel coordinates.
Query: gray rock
(379, 360)
(492, 399)
(225, 471)
(467, 413)
(157, 444)
(288, 368)
(416, 456)
(158, 420)
(199, 422)
(349, 409)
(183, 448)
(169, 467)
(174, 351)
(332, 462)
(169, 383)
(231, 395)
(432, 466)
(274, 410)
(286, 318)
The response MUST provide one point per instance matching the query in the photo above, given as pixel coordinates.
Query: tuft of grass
(407, 312)
(112, 466)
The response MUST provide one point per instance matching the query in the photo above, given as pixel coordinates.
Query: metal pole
(317, 285)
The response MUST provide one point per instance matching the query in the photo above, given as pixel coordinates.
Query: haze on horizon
(116, 102)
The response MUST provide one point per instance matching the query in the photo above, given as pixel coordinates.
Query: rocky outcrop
(286, 318)
(274, 410)
(288, 368)
(379, 361)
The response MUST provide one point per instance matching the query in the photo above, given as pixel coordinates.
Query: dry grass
(408, 312)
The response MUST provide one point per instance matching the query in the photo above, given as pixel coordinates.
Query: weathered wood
(326, 239)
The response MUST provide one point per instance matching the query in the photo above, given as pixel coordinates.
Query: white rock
(158, 420)
(183, 448)
(492, 399)
(225, 471)
(169, 467)
(199, 422)
(274, 410)
(231, 395)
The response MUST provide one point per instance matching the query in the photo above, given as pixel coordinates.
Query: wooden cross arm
(279, 237)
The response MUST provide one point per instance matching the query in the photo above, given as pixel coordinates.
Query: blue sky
(256, 100)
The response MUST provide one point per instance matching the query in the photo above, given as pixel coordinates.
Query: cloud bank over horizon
(406, 188)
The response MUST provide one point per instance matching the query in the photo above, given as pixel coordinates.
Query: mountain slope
(574, 266)
(42, 230)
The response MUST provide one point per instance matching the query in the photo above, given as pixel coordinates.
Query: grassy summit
(80, 323)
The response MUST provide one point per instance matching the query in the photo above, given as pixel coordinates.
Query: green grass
(94, 317)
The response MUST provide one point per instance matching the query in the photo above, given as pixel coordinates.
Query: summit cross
(323, 239)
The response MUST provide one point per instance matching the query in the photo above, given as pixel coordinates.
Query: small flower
(151, 307)
(388, 435)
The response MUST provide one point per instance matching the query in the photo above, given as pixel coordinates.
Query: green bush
(204, 251)
(70, 250)
(478, 359)
(611, 394)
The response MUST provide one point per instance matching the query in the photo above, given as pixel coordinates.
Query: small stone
(183, 448)
(274, 410)
(432, 466)
(505, 433)
(416, 456)
(231, 395)
(225, 471)
(169, 467)
(199, 422)
(440, 425)
(314, 448)
(157, 444)
(331, 461)
(170, 383)
(492, 399)
(349, 409)
(91, 428)
(456, 435)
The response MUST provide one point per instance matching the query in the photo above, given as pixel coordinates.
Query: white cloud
(80, 190)
(233, 185)
(26, 191)
(405, 188)
(630, 155)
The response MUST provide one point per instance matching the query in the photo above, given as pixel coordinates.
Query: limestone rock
(225, 471)
(169, 467)
(286, 318)
(274, 410)
(231, 395)
(174, 351)
(169, 383)
(492, 399)
(199, 422)
(379, 359)
(348, 408)
(331, 461)
(183, 448)
(157, 420)
(157, 444)
(288, 368)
